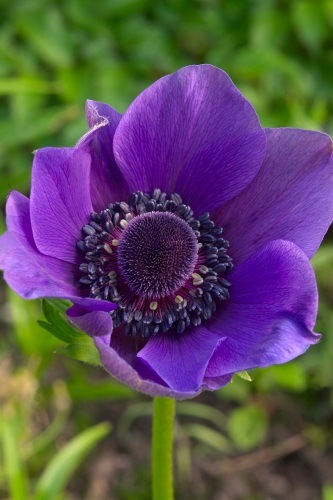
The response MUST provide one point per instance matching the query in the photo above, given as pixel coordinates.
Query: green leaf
(244, 375)
(13, 464)
(57, 324)
(67, 460)
(53, 330)
(247, 426)
(79, 345)
(59, 304)
(84, 350)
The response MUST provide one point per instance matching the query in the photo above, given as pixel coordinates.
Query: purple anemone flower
(182, 233)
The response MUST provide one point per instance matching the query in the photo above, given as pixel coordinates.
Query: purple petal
(96, 322)
(28, 272)
(191, 132)
(291, 197)
(214, 383)
(146, 372)
(60, 200)
(118, 355)
(107, 182)
(18, 216)
(270, 315)
(127, 348)
(98, 112)
(181, 361)
(124, 372)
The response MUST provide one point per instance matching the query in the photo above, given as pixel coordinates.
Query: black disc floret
(162, 266)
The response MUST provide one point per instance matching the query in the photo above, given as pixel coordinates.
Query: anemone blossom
(182, 233)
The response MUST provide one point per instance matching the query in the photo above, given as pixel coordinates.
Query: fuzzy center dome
(162, 266)
(157, 254)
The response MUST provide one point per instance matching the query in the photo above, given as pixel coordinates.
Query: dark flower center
(161, 265)
(156, 254)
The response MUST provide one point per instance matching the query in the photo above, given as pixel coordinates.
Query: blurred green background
(67, 430)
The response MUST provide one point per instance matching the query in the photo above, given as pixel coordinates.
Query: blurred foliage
(53, 56)
(32, 464)
(56, 54)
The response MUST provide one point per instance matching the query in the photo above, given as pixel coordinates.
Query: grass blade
(67, 460)
(13, 464)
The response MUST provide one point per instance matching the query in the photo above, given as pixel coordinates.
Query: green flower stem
(164, 412)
